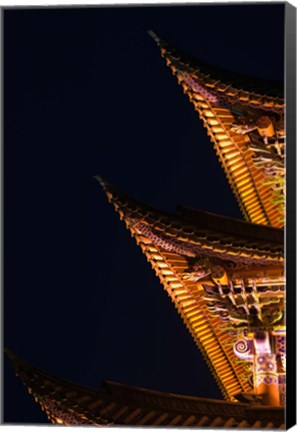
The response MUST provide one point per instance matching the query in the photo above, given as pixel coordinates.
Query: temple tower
(225, 276)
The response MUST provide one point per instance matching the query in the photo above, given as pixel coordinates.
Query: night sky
(87, 93)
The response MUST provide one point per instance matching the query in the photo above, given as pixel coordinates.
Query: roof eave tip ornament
(100, 180)
(154, 36)
(106, 186)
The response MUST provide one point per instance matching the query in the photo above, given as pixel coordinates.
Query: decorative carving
(243, 125)
(267, 136)
(60, 412)
(243, 349)
(187, 248)
(262, 343)
(204, 267)
(280, 353)
(199, 270)
(245, 305)
(199, 88)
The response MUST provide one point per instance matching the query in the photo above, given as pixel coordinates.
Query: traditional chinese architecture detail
(282, 389)
(280, 350)
(217, 269)
(118, 404)
(247, 129)
(245, 304)
(59, 414)
(243, 349)
(265, 375)
(246, 124)
(224, 276)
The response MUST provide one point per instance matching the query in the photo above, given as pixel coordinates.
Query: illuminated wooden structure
(244, 118)
(225, 276)
(118, 404)
(245, 121)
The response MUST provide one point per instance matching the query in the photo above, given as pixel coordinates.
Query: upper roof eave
(251, 84)
(201, 220)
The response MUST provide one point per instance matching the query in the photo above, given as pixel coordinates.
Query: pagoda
(225, 276)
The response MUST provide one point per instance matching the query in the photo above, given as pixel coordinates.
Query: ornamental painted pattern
(281, 353)
(243, 349)
(268, 380)
(265, 370)
(265, 363)
(172, 244)
(61, 413)
(244, 305)
(282, 388)
(199, 88)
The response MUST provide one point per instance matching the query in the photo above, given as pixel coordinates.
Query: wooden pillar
(265, 371)
(266, 379)
(280, 351)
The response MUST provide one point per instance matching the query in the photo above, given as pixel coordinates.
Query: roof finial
(100, 180)
(104, 183)
(154, 36)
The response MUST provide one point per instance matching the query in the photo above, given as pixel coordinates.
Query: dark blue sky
(87, 92)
